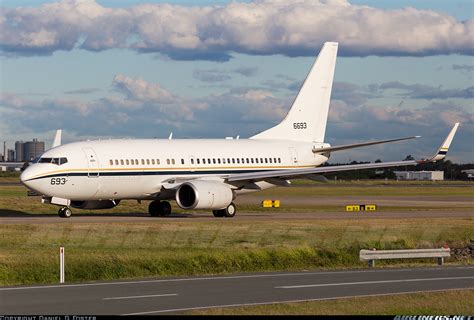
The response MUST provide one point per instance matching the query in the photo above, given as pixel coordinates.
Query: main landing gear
(65, 212)
(228, 212)
(159, 208)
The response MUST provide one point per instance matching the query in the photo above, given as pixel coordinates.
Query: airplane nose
(25, 176)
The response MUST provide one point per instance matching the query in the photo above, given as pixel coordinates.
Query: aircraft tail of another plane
(307, 118)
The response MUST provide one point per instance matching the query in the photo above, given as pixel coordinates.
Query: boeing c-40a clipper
(201, 174)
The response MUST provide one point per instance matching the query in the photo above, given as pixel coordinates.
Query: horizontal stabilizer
(308, 172)
(358, 145)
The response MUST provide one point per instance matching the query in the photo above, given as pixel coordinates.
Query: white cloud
(293, 28)
(139, 89)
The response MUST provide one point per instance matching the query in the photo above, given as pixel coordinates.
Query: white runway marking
(139, 297)
(369, 282)
(284, 301)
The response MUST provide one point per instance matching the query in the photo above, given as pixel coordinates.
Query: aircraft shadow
(7, 213)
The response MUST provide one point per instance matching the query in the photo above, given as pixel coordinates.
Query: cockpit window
(56, 161)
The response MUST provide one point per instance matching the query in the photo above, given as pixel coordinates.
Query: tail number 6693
(299, 125)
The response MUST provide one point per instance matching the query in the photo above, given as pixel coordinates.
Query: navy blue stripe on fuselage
(146, 173)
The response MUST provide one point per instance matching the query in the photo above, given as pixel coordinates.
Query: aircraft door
(92, 163)
(294, 156)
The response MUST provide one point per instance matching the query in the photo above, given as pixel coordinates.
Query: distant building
(419, 175)
(470, 173)
(32, 149)
(10, 155)
(19, 151)
(29, 150)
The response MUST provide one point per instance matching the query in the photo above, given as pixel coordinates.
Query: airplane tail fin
(307, 118)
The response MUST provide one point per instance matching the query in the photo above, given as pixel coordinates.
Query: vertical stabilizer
(307, 118)
(57, 138)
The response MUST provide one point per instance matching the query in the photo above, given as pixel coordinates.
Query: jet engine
(201, 194)
(95, 204)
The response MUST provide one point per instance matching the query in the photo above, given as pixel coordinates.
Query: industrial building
(29, 150)
(469, 173)
(419, 175)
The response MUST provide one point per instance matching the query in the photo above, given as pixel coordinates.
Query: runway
(5, 218)
(178, 295)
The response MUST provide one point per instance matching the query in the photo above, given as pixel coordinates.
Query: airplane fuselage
(138, 169)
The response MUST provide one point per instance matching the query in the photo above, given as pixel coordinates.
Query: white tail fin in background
(57, 138)
(307, 118)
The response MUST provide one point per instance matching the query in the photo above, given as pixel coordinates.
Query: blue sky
(127, 69)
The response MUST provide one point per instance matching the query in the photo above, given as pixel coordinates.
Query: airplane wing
(357, 145)
(294, 173)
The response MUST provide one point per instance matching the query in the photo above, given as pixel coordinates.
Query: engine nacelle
(202, 194)
(95, 204)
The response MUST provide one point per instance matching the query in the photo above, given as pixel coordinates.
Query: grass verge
(29, 253)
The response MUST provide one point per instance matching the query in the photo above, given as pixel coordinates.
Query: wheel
(230, 211)
(154, 208)
(165, 208)
(218, 213)
(65, 212)
(159, 209)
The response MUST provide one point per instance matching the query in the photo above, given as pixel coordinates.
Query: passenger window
(127, 162)
(192, 161)
(279, 160)
(214, 161)
(209, 161)
(148, 161)
(251, 160)
(223, 160)
(153, 161)
(275, 160)
(233, 160)
(270, 160)
(256, 160)
(219, 161)
(238, 160)
(261, 160)
(143, 162)
(203, 161)
(172, 161)
(116, 162)
(167, 161)
(121, 162)
(111, 162)
(182, 161)
(197, 160)
(158, 161)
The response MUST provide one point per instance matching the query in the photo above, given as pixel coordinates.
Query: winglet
(443, 149)
(57, 138)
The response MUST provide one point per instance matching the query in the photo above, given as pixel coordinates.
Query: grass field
(455, 302)
(162, 247)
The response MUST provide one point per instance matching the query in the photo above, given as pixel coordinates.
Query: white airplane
(201, 174)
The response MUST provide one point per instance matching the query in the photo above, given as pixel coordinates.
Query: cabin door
(294, 156)
(92, 163)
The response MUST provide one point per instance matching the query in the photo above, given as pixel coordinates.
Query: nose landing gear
(65, 212)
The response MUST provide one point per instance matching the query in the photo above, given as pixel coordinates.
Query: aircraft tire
(230, 211)
(65, 212)
(218, 213)
(154, 208)
(165, 208)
